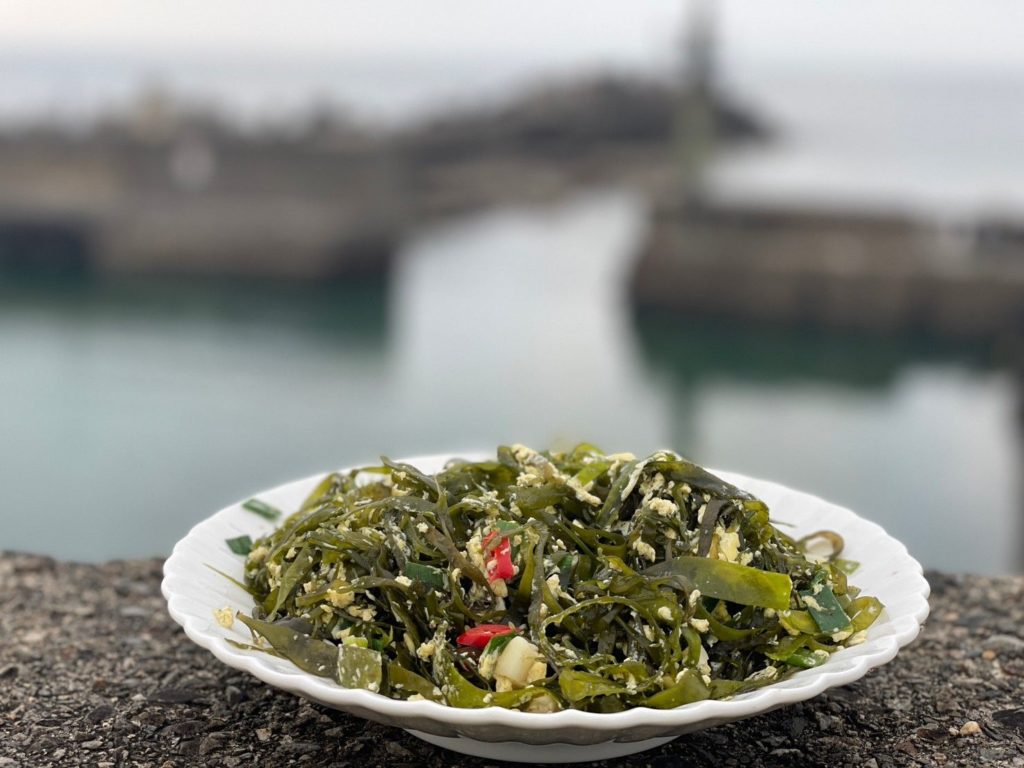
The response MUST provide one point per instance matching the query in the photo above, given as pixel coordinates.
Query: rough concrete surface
(94, 672)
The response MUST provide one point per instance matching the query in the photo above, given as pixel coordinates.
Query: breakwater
(850, 270)
(161, 190)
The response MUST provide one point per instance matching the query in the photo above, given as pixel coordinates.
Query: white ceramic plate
(887, 571)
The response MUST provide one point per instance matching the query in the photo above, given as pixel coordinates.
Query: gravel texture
(94, 672)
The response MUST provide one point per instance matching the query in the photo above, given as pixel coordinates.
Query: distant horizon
(392, 60)
(859, 136)
(915, 32)
(42, 83)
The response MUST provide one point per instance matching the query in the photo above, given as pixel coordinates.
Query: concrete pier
(844, 270)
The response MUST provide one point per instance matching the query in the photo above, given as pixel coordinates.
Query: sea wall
(835, 269)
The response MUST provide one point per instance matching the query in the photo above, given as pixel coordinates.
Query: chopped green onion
(240, 545)
(497, 643)
(428, 574)
(823, 606)
(262, 509)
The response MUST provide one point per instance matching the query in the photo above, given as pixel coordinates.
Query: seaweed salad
(543, 581)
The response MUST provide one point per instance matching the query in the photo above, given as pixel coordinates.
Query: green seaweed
(623, 584)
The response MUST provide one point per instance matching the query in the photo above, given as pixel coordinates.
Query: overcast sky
(922, 33)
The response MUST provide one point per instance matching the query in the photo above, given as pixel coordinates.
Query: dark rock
(186, 728)
(934, 733)
(397, 750)
(823, 720)
(151, 717)
(1010, 718)
(796, 726)
(233, 695)
(174, 695)
(160, 701)
(992, 755)
(100, 713)
(945, 701)
(301, 747)
(213, 742)
(1004, 644)
(907, 747)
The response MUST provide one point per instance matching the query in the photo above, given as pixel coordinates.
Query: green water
(133, 410)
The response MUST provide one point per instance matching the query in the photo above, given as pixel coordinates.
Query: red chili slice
(499, 561)
(480, 635)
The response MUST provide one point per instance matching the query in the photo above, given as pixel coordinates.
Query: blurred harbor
(791, 275)
(162, 191)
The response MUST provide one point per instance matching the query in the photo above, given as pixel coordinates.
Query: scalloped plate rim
(875, 651)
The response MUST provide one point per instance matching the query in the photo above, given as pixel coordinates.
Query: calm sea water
(131, 411)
